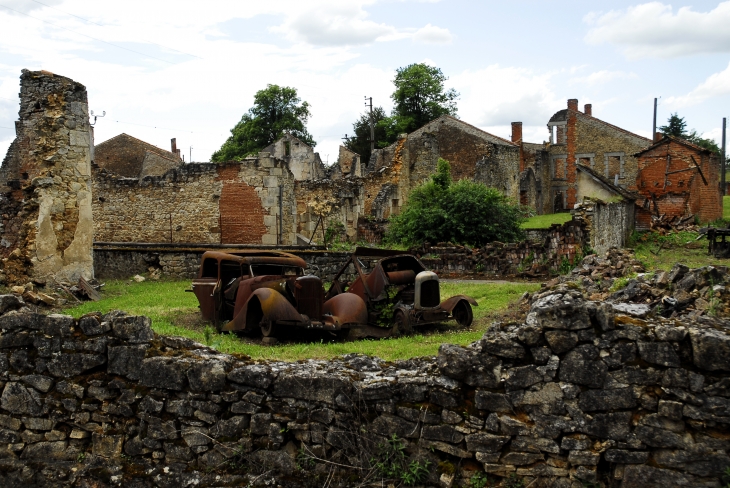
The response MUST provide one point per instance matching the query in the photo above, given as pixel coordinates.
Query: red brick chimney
(173, 143)
(573, 104)
(516, 131)
(588, 109)
(658, 136)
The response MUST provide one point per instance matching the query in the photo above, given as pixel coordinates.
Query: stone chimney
(588, 109)
(516, 131)
(658, 136)
(173, 144)
(573, 104)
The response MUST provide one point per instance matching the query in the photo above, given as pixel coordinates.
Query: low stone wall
(558, 248)
(574, 395)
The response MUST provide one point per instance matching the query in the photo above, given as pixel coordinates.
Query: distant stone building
(302, 161)
(473, 153)
(130, 157)
(677, 179)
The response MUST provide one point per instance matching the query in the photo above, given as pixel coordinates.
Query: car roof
(257, 257)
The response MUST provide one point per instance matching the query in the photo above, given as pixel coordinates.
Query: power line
(90, 37)
(101, 25)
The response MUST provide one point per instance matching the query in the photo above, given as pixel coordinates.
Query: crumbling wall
(576, 394)
(230, 203)
(47, 218)
(335, 201)
(607, 224)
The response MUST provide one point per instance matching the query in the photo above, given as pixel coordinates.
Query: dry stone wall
(576, 394)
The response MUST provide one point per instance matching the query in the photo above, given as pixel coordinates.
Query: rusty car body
(268, 291)
(400, 291)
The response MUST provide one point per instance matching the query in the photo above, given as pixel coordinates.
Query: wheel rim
(462, 314)
(267, 329)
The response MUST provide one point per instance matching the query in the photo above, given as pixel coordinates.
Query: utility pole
(191, 154)
(653, 127)
(723, 155)
(372, 125)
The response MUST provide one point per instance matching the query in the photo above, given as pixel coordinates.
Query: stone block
(108, 446)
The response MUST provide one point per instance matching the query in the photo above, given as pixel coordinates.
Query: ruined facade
(228, 203)
(473, 153)
(302, 161)
(133, 158)
(677, 179)
(47, 222)
(579, 138)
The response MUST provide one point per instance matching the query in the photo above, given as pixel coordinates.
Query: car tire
(401, 323)
(268, 328)
(463, 314)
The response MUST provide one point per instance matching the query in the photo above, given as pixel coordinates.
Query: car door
(207, 288)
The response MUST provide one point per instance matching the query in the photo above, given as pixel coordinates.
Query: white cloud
(655, 30)
(496, 96)
(716, 85)
(603, 76)
(430, 34)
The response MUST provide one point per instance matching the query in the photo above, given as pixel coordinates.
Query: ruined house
(473, 153)
(47, 222)
(133, 158)
(677, 179)
(302, 161)
(577, 138)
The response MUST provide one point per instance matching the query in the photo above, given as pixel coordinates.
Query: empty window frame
(558, 166)
(614, 165)
(586, 159)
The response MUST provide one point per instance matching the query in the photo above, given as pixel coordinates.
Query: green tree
(466, 212)
(676, 126)
(360, 143)
(276, 109)
(420, 97)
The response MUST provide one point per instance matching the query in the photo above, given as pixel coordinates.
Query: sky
(190, 69)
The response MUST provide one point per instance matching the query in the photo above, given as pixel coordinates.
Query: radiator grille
(430, 296)
(309, 297)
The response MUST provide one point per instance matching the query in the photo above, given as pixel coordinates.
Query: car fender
(450, 303)
(274, 308)
(345, 308)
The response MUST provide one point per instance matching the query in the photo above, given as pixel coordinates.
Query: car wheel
(462, 314)
(401, 323)
(342, 334)
(268, 329)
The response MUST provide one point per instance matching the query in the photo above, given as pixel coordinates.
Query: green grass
(662, 252)
(174, 312)
(726, 207)
(545, 221)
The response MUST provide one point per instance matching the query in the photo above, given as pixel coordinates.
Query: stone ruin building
(132, 158)
(46, 206)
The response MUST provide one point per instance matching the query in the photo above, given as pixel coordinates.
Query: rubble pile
(596, 274)
(665, 225)
(578, 393)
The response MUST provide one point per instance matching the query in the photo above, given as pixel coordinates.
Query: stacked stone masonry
(577, 394)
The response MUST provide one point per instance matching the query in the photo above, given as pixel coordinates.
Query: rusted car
(400, 291)
(248, 291)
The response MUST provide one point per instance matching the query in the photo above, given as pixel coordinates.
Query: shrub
(466, 212)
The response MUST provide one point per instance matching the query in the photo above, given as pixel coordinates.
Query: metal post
(653, 127)
(372, 125)
(281, 215)
(723, 155)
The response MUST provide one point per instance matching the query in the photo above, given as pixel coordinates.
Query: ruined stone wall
(576, 394)
(607, 224)
(337, 201)
(48, 235)
(231, 203)
(303, 162)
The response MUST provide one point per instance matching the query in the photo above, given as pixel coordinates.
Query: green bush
(466, 212)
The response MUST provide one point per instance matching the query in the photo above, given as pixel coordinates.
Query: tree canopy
(276, 109)
(419, 98)
(677, 127)
(465, 212)
(360, 142)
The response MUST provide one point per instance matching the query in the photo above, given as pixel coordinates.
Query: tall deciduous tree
(420, 96)
(360, 143)
(276, 109)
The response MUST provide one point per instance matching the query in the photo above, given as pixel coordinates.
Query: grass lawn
(663, 252)
(175, 312)
(726, 207)
(545, 221)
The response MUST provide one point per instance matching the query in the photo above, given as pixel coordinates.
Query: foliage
(419, 97)
(360, 143)
(335, 233)
(677, 127)
(391, 462)
(479, 480)
(513, 482)
(466, 212)
(276, 109)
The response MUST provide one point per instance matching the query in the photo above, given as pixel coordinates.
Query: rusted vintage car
(268, 291)
(399, 290)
